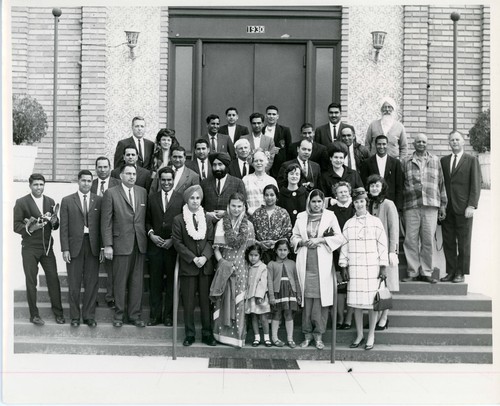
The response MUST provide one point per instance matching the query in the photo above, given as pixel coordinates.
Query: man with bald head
(424, 201)
(462, 179)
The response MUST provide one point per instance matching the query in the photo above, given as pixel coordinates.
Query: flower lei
(199, 234)
(233, 239)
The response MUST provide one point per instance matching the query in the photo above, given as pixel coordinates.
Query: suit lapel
(77, 201)
(33, 208)
(182, 179)
(459, 164)
(125, 197)
(446, 166)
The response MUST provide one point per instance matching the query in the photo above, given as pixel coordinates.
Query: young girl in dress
(256, 297)
(284, 292)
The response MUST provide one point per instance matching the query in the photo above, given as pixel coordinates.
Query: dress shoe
(153, 322)
(37, 321)
(345, 326)
(117, 323)
(448, 278)
(357, 344)
(458, 279)
(111, 304)
(410, 279)
(428, 279)
(138, 323)
(60, 320)
(75, 322)
(188, 341)
(369, 347)
(380, 328)
(209, 340)
(168, 322)
(90, 322)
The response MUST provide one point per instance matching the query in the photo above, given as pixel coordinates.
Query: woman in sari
(233, 234)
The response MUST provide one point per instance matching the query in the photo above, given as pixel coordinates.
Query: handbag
(383, 298)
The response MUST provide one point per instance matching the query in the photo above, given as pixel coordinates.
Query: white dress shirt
(126, 189)
(381, 164)
(80, 196)
(231, 131)
(38, 202)
(178, 174)
(353, 159)
(336, 126)
(459, 156)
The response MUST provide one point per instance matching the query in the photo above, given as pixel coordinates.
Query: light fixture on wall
(132, 41)
(378, 38)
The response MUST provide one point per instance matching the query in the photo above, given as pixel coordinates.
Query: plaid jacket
(423, 186)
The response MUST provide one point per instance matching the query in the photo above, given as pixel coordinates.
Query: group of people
(258, 227)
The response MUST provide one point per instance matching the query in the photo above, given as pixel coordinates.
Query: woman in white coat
(316, 235)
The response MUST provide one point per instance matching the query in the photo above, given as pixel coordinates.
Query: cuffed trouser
(314, 318)
(420, 226)
(457, 234)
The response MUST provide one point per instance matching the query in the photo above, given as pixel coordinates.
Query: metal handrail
(176, 308)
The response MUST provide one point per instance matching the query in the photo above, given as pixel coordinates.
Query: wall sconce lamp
(132, 41)
(378, 38)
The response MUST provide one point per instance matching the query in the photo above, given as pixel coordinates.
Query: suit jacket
(393, 176)
(463, 186)
(323, 135)
(234, 169)
(361, 153)
(212, 201)
(282, 140)
(25, 208)
(143, 178)
(193, 165)
(266, 142)
(72, 223)
(187, 179)
(313, 175)
(188, 249)
(121, 225)
(112, 182)
(146, 162)
(240, 130)
(330, 178)
(319, 154)
(224, 144)
(161, 222)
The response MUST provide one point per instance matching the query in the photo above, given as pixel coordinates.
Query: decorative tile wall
(132, 86)
(370, 81)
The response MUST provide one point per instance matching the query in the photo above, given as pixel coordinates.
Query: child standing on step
(284, 292)
(256, 297)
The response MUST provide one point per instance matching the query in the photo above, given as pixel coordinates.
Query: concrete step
(470, 302)
(424, 288)
(138, 347)
(63, 279)
(392, 336)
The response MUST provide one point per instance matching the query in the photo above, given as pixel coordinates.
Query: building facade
(191, 62)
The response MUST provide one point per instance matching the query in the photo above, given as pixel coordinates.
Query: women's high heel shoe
(380, 328)
(355, 344)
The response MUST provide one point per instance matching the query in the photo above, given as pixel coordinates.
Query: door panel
(280, 81)
(227, 81)
(253, 76)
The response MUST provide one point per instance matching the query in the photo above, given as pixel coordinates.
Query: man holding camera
(35, 216)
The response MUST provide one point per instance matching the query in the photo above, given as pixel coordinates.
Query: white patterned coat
(364, 253)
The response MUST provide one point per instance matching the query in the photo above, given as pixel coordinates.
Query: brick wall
(162, 119)
(344, 64)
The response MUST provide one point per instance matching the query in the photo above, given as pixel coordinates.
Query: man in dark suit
(143, 146)
(462, 180)
(184, 177)
(311, 171)
(218, 188)
(235, 131)
(389, 168)
(330, 132)
(192, 233)
(200, 163)
(123, 232)
(163, 206)
(282, 138)
(241, 166)
(218, 142)
(319, 152)
(80, 235)
(356, 153)
(102, 183)
(143, 176)
(35, 216)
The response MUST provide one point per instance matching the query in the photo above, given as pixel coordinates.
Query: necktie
(85, 212)
(203, 175)
(130, 198)
(140, 152)
(305, 168)
(166, 202)
(218, 187)
(244, 173)
(212, 144)
(349, 161)
(102, 187)
(334, 132)
(454, 166)
(195, 222)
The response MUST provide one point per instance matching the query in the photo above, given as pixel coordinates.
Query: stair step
(63, 279)
(43, 296)
(137, 347)
(424, 288)
(470, 302)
